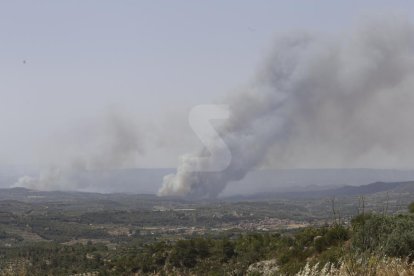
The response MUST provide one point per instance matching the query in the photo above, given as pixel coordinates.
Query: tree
(411, 207)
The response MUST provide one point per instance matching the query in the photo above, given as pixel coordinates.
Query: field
(44, 229)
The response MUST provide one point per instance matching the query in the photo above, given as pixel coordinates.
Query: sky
(67, 64)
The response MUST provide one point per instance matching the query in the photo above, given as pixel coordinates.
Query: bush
(411, 207)
(387, 235)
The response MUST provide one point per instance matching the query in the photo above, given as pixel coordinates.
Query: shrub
(387, 235)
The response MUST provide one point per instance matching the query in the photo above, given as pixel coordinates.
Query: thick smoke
(319, 102)
(108, 143)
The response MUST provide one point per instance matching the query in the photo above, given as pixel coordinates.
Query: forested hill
(369, 189)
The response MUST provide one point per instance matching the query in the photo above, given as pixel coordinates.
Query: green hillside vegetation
(361, 247)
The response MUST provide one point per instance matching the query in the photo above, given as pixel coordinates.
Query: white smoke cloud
(51, 179)
(108, 143)
(343, 101)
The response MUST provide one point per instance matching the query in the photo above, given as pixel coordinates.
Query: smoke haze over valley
(207, 137)
(309, 104)
(319, 102)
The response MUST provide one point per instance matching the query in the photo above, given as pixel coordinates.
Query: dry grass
(371, 266)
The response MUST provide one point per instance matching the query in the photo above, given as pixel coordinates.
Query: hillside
(344, 191)
(148, 181)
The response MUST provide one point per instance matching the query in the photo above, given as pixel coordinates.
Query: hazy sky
(68, 62)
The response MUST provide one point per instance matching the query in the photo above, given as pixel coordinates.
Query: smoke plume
(107, 143)
(344, 101)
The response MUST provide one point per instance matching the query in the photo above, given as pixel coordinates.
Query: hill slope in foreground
(69, 233)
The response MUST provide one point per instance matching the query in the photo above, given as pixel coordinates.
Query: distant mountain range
(299, 180)
(23, 194)
(148, 181)
(373, 188)
(344, 191)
